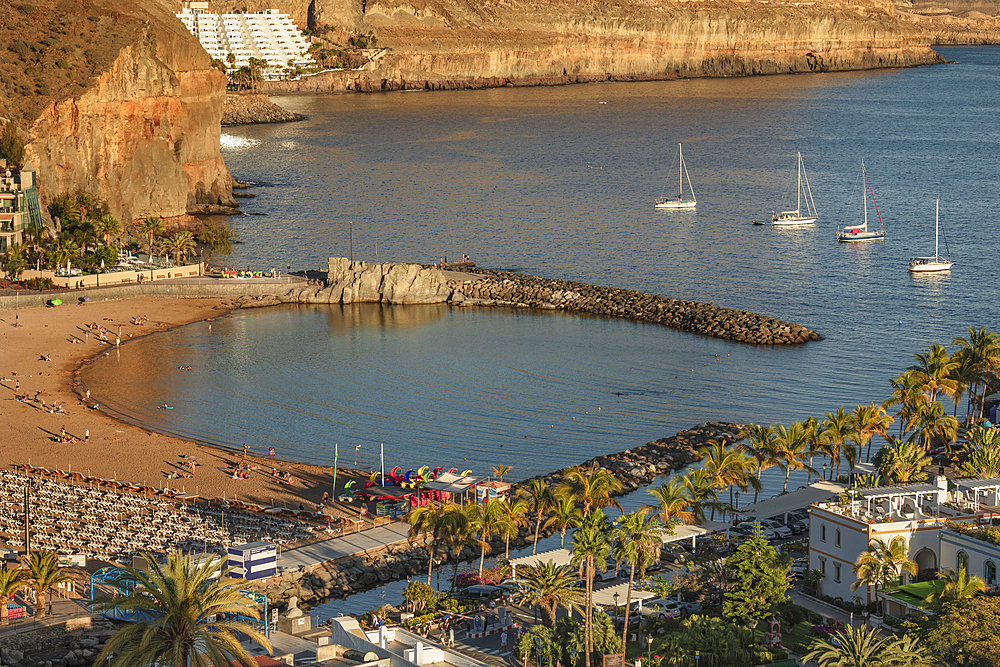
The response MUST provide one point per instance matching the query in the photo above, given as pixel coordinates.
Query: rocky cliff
(137, 122)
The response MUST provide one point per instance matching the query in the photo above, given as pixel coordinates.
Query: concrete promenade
(344, 545)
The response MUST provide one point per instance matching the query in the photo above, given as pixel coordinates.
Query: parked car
(780, 530)
(514, 586)
(799, 567)
(674, 553)
(690, 606)
(607, 575)
(652, 568)
(483, 593)
(798, 526)
(661, 608)
(769, 533)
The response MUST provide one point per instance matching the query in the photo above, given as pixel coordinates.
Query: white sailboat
(680, 202)
(928, 264)
(856, 233)
(792, 218)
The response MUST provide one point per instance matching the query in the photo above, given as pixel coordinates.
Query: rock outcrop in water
(360, 282)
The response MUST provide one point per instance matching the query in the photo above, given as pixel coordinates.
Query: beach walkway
(342, 546)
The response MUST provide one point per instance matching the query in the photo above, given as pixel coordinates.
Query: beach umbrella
(56, 302)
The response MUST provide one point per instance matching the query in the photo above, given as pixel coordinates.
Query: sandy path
(29, 434)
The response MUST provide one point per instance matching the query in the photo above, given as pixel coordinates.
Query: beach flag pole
(336, 453)
(381, 462)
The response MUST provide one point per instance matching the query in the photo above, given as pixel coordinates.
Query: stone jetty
(466, 285)
(353, 574)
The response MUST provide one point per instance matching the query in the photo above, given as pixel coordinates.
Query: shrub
(26, 9)
(21, 49)
(62, 64)
(39, 283)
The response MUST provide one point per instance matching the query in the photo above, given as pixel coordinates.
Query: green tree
(761, 578)
(489, 519)
(180, 245)
(183, 613)
(964, 632)
(904, 462)
(882, 563)
(672, 502)
(835, 431)
(538, 499)
(637, 539)
(982, 453)
(907, 392)
(954, 586)
(435, 522)
(500, 470)
(590, 552)
(551, 586)
(14, 262)
(527, 645)
(792, 449)
(516, 508)
(933, 370)
(11, 581)
(983, 350)
(106, 226)
(151, 226)
(591, 487)
(758, 442)
(865, 647)
(43, 573)
(11, 145)
(930, 422)
(700, 489)
(217, 237)
(727, 468)
(869, 421)
(563, 515)
(419, 596)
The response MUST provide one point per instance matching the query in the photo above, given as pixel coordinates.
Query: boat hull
(675, 204)
(863, 236)
(930, 267)
(793, 222)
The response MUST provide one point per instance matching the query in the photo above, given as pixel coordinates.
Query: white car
(799, 567)
(769, 533)
(661, 609)
(780, 530)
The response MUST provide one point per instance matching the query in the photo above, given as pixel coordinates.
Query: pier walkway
(344, 545)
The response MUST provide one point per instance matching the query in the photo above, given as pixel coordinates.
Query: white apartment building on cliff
(269, 36)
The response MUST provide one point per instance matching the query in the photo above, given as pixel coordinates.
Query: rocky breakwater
(253, 108)
(61, 645)
(144, 132)
(361, 282)
(340, 578)
(514, 289)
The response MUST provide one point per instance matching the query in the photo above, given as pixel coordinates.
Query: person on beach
(17, 386)
(86, 436)
(270, 451)
(326, 496)
(88, 396)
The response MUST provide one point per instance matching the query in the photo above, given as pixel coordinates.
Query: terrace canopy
(790, 502)
(557, 556)
(451, 483)
(973, 488)
(895, 495)
(605, 597)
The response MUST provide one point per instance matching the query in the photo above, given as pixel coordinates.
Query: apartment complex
(269, 36)
(19, 206)
(840, 532)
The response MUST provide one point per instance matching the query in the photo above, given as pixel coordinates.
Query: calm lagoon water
(552, 182)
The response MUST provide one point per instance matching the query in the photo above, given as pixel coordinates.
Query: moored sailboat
(803, 192)
(929, 264)
(861, 232)
(680, 202)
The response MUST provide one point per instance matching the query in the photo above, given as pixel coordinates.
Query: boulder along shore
(254, 108)
(337, 579)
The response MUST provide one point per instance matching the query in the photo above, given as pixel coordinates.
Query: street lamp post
(649, 649)
(737, 499)
(618, 612)
(824, 471)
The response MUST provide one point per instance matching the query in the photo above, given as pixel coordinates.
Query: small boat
(758, 222)
(680, 202)
(858, 233)
(803, 192)
(928, 264)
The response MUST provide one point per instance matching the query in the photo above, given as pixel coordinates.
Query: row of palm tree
(40, 572)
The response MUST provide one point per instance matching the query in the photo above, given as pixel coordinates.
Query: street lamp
(867, 614)
(618, 612)
(649, 649)
(737, 499)
(824, 471)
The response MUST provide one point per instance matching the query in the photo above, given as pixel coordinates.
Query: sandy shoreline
(116, 448)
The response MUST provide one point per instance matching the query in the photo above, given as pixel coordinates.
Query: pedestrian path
(343, 545)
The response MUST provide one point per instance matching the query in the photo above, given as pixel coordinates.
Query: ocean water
(560, 182)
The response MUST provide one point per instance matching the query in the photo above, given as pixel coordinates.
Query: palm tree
(792, 447)
(43, 573)
(549, 586)
(964, 376)
(179, 244)
(590, 553)
(11, 581)
(593, 487)
(727, 467)
(869, 421)
(489, 518)
(538, 498)
(933, 371)
(983, 349)
(672, 502)
(150, 227)
(908, 392)
(930, 421)
(758, 442)
(907, 461)
(516, 508)
(563, 515)
(434, 521)
(183, 610)
(835, 431)
(701, 491)
(106, 226)
(881, 563)
(500, 470)
(811, 426)
(955, 586)
(637, 539)
(864, 647)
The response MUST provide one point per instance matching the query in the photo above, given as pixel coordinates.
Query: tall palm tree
(11, 581)
(538, 498)
(907, 461)
(866, 647)
(500, 470)
(954, 586)
(835, 432)
(179, 245)
(592, 487)
(930, 422)
(792, 448)
(869, 421)
(984, 357)
(150, 227)
(489, 519)
(434, 521)
(758, 442)
(700, 489)
(43, 573)
(672, 502)
(563, 515)
(727, 467)
(516, 508)
(590, 553)
(964, 375)
(933, 371)
(908, 392)
(184, 617)
(550, 586)
(637, 539)
(881, 563)
(106, 226)
(814, 448)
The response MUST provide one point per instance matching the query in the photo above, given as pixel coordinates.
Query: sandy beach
(116, 449)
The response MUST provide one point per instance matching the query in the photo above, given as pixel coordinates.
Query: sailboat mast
(864, 195)
(937, 208)
(680, 173)
(798, 189)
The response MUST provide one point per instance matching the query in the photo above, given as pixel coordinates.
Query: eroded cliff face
(145, 133)
(438, 43)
